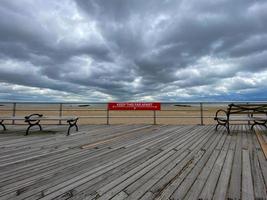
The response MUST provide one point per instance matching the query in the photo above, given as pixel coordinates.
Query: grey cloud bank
(125, 50)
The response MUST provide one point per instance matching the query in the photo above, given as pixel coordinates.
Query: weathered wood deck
(133, 162)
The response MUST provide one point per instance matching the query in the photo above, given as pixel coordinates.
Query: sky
(133, 50)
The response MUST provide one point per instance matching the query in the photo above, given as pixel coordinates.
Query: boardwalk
(133, 162)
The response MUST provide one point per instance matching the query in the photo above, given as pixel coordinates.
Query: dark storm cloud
(133, 50)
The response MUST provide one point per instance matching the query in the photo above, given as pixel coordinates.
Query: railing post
(155, 122)
(107, 116)
(201, 114)
(60, 112)
(249, 115)
(14, 112)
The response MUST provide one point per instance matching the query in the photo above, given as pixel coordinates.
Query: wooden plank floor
(132, 162)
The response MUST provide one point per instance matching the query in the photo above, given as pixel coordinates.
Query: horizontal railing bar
(67, 109)
(152, 116)
(104, 116)
(185, 110)
(85, 110)
(99, 110)
(49, 110)
(30, 110)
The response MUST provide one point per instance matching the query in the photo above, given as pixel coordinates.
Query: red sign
(133, 106)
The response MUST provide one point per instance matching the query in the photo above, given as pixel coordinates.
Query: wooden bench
(255, 113)
(35, 119)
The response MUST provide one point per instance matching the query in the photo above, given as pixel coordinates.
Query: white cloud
(149, 50)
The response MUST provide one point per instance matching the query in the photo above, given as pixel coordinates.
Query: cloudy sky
(133, 50)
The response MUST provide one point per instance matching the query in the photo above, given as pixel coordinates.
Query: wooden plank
(235, 179)
(120, 196)
(48, 172)
(85, 197)
(139, 188)
(30, 158)
(166, 186)
(222, 185)
(190, 136)
(47, 161)
(187, 183)
(117, 185)
(196, 188)
(247, 185)
(138, 180)
(163, 138)
(123, 134)
(147, 140)
(263, 130)
(147, 196)
(97, 183)
(168, 150)
(112, 184)
(81, 174)
(168, 190)
(244, 138)
(50, 161)
(37, 192)
(68, 185)
(210, 185)
(263, 166)
(261, 158)
(258, 181)
(168, 178)
(262, 142)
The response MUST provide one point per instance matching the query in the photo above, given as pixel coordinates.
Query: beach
(180, 114)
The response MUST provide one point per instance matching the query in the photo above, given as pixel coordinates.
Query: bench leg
(40, 127)
(228, 128)
(259, 123)
(226, 125)
(1, 123)
(68, 133)
(76, 127)
(216, 128)
(251, 128)
(31, 125)
(27, 131)
(71, 124)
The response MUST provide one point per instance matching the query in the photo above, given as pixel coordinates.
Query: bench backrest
(249, 109)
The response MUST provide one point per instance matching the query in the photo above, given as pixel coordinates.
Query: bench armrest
(73, 119)
(220, 111)
(31, 117)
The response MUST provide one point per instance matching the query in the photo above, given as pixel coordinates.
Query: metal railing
(175, 110)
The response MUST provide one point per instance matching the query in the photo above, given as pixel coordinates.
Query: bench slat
(243, 118)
